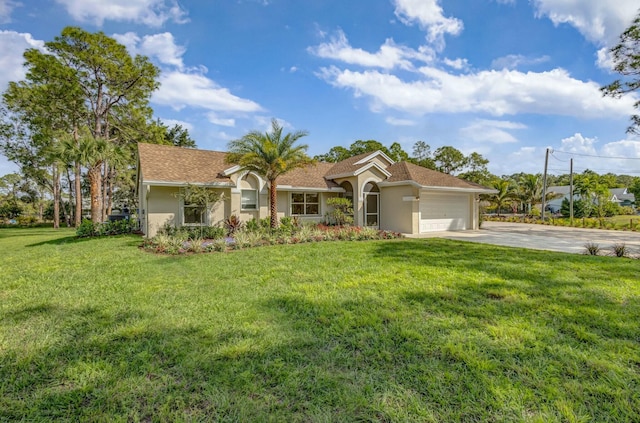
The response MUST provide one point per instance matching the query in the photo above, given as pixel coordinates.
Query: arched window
(348, 190)
(249, 186)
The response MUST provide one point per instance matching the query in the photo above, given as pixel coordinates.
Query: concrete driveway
(541, 237)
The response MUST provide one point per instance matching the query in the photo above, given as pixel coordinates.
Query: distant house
(396, 196)
(618, 195)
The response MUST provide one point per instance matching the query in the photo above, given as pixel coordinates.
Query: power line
(595, 155)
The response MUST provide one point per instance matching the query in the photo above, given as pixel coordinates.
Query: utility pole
(571, 191)
(544, 184)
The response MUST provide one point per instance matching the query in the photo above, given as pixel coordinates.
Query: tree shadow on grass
(104, 366)
(136, 240)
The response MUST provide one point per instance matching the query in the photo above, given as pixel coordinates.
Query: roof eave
(185, 183)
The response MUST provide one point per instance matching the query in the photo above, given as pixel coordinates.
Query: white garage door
(444, 212)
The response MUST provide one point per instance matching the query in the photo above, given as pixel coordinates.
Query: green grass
(391, 331)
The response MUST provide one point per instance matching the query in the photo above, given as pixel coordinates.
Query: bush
(626, 210)
(26, 220)
(232, 224)
(620, 250)
(342, 212)
(591, 249)
(89, 229)
(180, 243)
(611, 209)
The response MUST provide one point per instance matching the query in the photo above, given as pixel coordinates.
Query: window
(305, 203)
(249, 199)
(193, 215)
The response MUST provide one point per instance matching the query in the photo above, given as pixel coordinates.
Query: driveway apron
(542, 237)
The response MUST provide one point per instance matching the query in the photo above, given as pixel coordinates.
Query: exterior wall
(163, 207)
(284, 206)
(380, 162)
(397, 212)
(142, 204)
(358, 206)
(219, 211)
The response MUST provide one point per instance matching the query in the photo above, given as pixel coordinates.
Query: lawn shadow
(136, 240)
(106, 366)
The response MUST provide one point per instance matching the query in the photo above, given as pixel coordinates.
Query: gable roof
(427, 178)
(308, 177)
(166, 164)
(169, 164)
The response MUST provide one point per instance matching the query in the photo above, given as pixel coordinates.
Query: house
(395, 196)
(617, 195)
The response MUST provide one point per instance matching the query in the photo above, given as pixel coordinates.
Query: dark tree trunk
(95, 182)
(78, 192)
(56, 198)
(105, 182)
(273, 197)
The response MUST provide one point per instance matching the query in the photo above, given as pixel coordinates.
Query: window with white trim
(249, 199)
(193, 214)
(305, 203)
(249, 186)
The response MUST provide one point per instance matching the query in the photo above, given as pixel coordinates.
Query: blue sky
(505, 78)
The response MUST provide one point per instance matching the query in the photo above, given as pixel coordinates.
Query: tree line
(72, 125)
(73, 122)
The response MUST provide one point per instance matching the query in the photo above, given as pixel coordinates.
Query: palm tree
(505, 195)
(270, 155)
(531, 190)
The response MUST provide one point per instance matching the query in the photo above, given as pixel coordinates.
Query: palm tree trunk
(78, 192)
(56, 197)
(112, 176)
(273, 197)
(105, 181)
(95, 182)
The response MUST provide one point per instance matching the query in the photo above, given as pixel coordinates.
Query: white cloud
(430, 16)
(6, 7)
(624, 148)
(458, 64)
(220, 121)
(161, 46)
(492, 131)
(181, 89)
(12, 47)
(153, 13)
(400, 122)
(173, 122)
(494, 92)
(599, 21)
(618, 157)
(389, 56)
(580, 144)
(513, 61)
(604, 59)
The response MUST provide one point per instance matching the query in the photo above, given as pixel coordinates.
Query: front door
(372, 209)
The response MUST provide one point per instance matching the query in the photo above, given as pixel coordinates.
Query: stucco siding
(162, 208)
(396, 208)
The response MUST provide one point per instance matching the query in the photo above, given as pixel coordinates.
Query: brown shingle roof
(403, 171)
(165, 163)
(347, 165)
(309, 177)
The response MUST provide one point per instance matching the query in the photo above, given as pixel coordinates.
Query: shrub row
(594, 223)
(617, 250)
(180, 242)
(89, 229)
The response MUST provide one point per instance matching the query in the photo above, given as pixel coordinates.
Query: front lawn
(400, 330)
